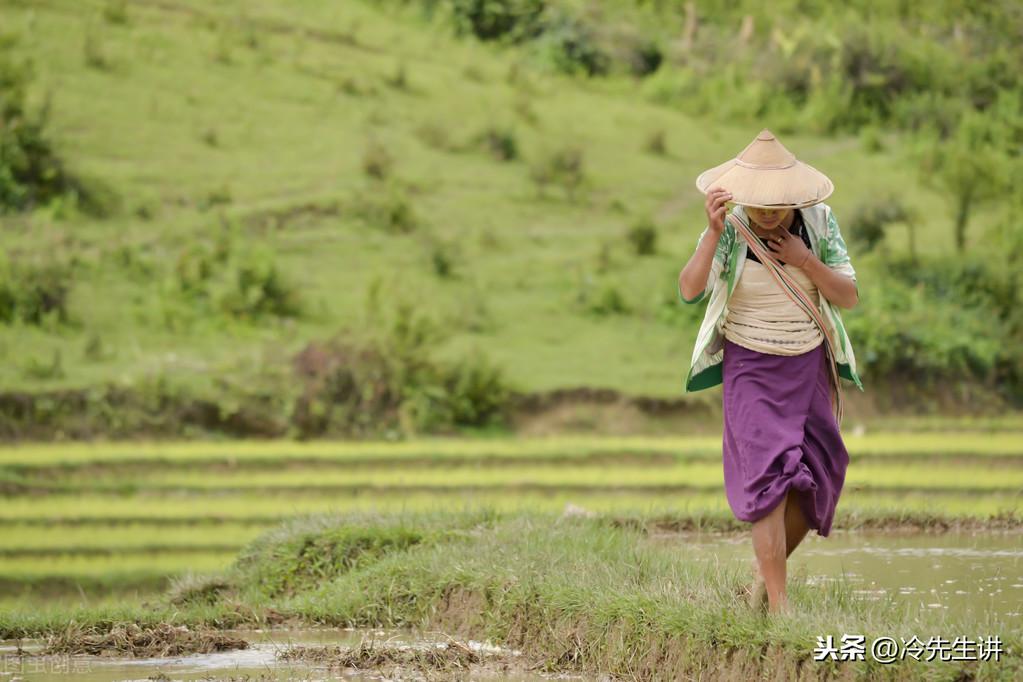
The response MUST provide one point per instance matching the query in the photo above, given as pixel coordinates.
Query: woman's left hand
(789, 248)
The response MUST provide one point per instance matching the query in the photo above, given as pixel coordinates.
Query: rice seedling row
(233, 510)
(674, 478)
(23, 537)
(437, 450)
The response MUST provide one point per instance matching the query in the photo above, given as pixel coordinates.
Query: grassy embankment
(571, 593)
(348, 143)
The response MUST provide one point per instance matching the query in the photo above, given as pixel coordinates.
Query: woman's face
(769, 218)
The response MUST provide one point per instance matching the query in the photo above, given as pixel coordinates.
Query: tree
(969, 168)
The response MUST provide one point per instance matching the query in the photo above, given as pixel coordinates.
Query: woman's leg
(796, 526)
(769, 545)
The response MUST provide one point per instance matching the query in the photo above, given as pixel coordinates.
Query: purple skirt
(780, 433)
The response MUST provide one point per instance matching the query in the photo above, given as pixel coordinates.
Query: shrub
(377, 162)
(609, 301)
(871, 218)
(563, 167)
(948, 317)
(30, 171)
(900, 334)
(93, 51)
(399, 79)
(386, 378)
(656, 143)
(239, 282)
(571, 47)
(627, 46)
(34, 293)
(871, 140)
(390, 211)
(499, 143)
(513, 20)
(645, 58)
(643, 237)
(256, 288)
(116, 12)
(215, 196)
(445, 256)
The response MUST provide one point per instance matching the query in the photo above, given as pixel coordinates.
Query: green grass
(191, 107)
(572, 594)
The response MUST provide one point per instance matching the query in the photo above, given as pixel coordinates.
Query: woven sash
(800, 298)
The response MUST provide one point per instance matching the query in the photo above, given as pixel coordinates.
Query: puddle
(258, 662)
(959, 573)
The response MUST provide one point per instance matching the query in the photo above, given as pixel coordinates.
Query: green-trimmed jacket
(826, 243)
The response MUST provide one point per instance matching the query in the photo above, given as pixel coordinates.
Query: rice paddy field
(355, 150)
(86, 520)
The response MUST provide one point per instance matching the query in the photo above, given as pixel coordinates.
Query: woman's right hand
(716, 209)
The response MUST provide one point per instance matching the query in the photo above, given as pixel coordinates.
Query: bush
(256, 288)
(31, 174)
(499, 143)
(643, 237)
(512, 20)
(563, 167)
(116, 12)
(387, 379)
(390, 211)
(571, 47)
(239, 282)
(943, 318)
(445, 256)
(215, 196)
(901, 335)
(628, 48)
(377, 162)
(34, 293)
(656, 143)
(399, 79)
(609, 301)
(871, 218)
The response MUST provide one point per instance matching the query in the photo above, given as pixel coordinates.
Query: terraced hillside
(119, 519)
(282, 171)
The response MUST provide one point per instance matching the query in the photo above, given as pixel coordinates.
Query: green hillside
(273, 174)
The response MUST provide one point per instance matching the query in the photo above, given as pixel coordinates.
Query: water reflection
(258, 662)
(957, 572)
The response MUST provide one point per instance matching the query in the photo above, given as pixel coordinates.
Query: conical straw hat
(767, 175)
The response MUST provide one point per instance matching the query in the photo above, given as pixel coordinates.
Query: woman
(777, 270)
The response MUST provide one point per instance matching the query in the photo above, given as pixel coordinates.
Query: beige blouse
(763, 318)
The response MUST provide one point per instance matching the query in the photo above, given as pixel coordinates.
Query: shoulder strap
(799, 297)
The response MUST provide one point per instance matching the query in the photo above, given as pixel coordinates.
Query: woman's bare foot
(782, 608)
(758, 591)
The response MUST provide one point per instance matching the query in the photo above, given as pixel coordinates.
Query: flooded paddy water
(959, 573)
(280, 654)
